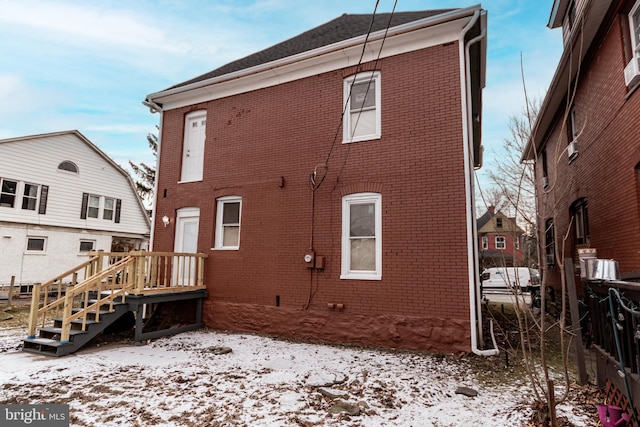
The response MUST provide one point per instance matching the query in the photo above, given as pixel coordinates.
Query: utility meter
(309, 259)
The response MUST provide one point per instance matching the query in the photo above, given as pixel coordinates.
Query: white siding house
(60, 196)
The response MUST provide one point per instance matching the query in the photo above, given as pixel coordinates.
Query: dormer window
(68, 166)
(498, 222)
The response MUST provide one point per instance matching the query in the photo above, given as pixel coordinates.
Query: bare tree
(146, 175)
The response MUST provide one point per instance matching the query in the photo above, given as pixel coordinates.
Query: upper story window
(195, 127)
(33, 196)
(30, 197)
(501, 242)
(632, 69)
(95, 206)
(228, 222)
(634, 26)
(498, 222)
(362, 236)
(68, 166)
(516, 242)
(485, 242)
(362, 112)
(8, 193)
(573, 125)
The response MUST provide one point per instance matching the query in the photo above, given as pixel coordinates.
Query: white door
(186, 241)
(193, 149)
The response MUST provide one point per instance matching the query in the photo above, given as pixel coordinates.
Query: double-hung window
(109, 208)
(228, 222)
(8, 190)
(93, 209)
(485, 243)
(96, 207)
(362, 236)
(501, 242)
(30, 197)
(362, 112)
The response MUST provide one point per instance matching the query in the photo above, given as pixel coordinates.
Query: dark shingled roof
(343, 28)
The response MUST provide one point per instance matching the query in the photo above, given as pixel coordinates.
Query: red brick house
(500, 240)
(329, 180)
(586, 139)
(586, 147)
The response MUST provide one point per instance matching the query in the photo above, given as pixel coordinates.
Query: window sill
(361, 276)
(362, 139)
(35, 253)
(187, 182)
(235, 248)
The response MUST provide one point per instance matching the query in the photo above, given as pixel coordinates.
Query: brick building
(500, 240)
(586, 141)
(332, 192)
(586, 147)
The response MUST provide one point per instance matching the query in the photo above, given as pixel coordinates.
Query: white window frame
(348, 82)
(14, 194)
(27, 197)
(90, 206)
(347, 202)
(516, 242)
(503, 244)
(105, 210)
(33, 251)
(219, 241)
(93, 245)
(485, 243)
(635, 29)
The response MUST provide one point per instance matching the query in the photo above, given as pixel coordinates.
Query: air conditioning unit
(551, 259)
(572, 149)
(632, 71)
(545, 182)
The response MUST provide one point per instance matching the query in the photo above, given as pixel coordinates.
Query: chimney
(492, 209)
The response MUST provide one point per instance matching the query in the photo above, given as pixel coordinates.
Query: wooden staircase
(48, 341)
(68, 313)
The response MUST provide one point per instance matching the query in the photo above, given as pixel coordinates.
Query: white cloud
(83, 24)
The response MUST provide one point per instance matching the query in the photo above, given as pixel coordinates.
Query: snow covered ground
(188, 380)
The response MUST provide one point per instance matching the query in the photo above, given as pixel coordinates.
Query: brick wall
(605, 171)
(258, 140)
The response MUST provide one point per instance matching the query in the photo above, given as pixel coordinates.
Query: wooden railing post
(33, 314)
(140, 259)
(99, 263)
(200, 271)
(66, 323)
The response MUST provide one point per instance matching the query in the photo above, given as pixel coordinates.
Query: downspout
(475, 312)
(155, 108)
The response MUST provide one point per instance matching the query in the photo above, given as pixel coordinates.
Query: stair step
(54, 330)
(43, 341)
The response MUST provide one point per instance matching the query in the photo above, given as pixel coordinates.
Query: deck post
(66, 313)
(33, 314)
(200, 281)
(140, 273)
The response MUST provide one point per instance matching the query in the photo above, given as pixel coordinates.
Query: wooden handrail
(135, 272)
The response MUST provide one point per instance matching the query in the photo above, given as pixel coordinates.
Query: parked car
(522, 279)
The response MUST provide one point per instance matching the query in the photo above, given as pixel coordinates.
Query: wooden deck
(108, 285)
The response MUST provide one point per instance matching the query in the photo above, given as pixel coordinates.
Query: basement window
(36, 244)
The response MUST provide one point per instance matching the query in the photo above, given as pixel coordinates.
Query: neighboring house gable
(62, 196)
(320, 225)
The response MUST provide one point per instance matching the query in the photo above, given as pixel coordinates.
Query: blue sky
(88, 65)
